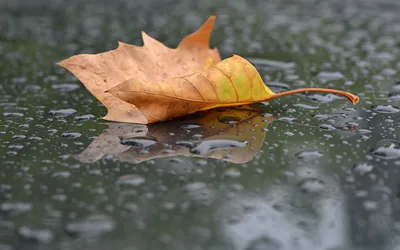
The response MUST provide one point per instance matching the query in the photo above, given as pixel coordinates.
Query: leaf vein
(251, 82)
(182, 77)
(190, 100)
(230, 80)
(212, 84)
(144, 108)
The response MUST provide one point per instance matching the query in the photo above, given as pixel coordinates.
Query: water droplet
(84, 117)
(305, 106)
(59, 197)
(15, 207)
(175, 160)
(330, 76)
(5, 188)
(288, 133)
(168, 205)
(35, 138)
(382, 56)
(131, 180)
(93, 225)
(191, 187)
(311, 185)
(287, 119)
(370, 205)
(394, 98)
(18, 137)
(190, 126)
(187, 144)
(387, 149)
(200, 193)
(140, 142)
(37, 235)
(364, 131)
(62, 112)
(348, 83)
(12, 114)
(321, 117)
(15, 147)
(323, 98)
(131, 207)
(264, 243)
(267, 115)
(232, 172)
(31, 87)
(388, 72)
(184, 66)
(386, 109)
(201, 162)
(65, 87)
(61, 174)
(326, 127)
(71, 135)
(228, 119)
(5, 247)
(309, 155)
(24, 126)
(52, 131)
(362, 168)
(207, 146)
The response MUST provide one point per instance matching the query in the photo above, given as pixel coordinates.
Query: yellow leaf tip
(209, 21)
(61, 63)
(122, 44)
(237, 57)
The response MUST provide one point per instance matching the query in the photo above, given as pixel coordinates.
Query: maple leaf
(154, 83)
(235, 132)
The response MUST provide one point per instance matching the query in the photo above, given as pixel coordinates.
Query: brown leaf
(154, 83)
(151, 62)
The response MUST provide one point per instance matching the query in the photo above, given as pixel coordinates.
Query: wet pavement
(301, 172)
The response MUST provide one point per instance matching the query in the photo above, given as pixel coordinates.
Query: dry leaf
(231, 134)
(154, 83)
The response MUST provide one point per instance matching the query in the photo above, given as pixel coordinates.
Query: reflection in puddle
(139, 142)
(286, 217)
(230, 134)
(208, 146)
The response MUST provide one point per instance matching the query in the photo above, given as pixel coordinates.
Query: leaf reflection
(230, 134)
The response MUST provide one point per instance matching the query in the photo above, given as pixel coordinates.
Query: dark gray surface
(329, 180)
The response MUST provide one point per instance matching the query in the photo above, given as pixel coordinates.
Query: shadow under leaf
(230, 134)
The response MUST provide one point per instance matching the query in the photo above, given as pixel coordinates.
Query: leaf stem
(353, 98)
